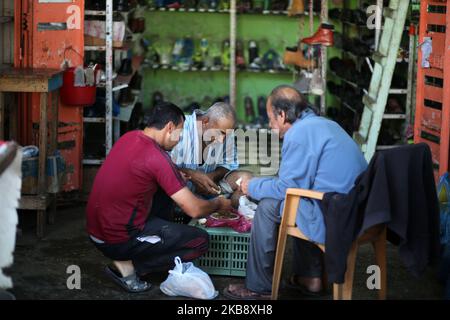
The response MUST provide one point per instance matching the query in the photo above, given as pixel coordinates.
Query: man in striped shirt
(207, 150)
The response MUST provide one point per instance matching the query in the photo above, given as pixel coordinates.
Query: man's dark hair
(290, 100)
(163, 113)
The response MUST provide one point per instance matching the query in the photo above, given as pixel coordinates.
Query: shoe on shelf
(125, 68)
(189, 4)
(271, 61)
(335, 14)
(202, 5)
(249, 110)
(95, 5)
(278, 5)
(253, 51)
(394, 106)
(121, 5)
(126, 97)
(135, 83)
(296, 7)
(323, 36)
(261, 104)
(240, 59)
(243, 6)
(226, 53)
(258, 6)
(157, 98)
(294, 56)
(173, 5)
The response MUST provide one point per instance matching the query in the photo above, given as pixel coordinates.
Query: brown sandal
(240, 292)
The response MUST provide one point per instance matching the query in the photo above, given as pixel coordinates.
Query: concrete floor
(39, 270)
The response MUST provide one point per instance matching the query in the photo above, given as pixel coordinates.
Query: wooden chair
(375, 235)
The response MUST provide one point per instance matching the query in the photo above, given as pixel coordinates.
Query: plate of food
(225, 216)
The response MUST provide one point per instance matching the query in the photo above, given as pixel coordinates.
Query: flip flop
(252, 296)
(131, 283)
(292, 284)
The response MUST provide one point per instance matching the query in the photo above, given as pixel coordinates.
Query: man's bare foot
(125, 268)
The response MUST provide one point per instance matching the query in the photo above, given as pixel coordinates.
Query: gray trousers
(307, 257)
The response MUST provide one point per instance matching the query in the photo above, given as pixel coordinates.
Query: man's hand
(244, 185)
(203, 183)
(224, 204)
(185, 176)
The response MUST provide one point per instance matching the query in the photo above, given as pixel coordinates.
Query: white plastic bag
(188, 281)
(247, 208)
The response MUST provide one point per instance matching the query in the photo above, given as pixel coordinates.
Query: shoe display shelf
(112, 85)
(349, 27)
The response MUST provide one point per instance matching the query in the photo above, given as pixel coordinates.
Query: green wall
(270, 31)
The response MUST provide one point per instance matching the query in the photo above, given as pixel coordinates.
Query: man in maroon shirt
(119, 222)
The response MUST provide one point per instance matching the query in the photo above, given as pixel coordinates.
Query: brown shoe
(294, 56)
(323, 36)
(296, 7)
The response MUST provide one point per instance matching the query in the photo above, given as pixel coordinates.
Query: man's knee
(199, 239)
(268, 207)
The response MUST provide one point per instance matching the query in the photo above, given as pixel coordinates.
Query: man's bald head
(288, 99)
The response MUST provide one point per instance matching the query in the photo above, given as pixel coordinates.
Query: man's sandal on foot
(240, 292)
(131, 283)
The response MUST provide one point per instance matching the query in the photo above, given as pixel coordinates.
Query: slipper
(131, 283)
(249, 295)
(292, 284)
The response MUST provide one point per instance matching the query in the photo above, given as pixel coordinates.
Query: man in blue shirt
(317, 154)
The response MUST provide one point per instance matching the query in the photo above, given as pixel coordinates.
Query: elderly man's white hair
(220, 110)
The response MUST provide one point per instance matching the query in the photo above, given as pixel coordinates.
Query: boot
(126, 97)
(240, 59)
(252, 51)
(249, 111)
(296, 7)
(294, 56)
(263, 119)
(125, 68)
(157, 97)
(323, 36)
(135, 83)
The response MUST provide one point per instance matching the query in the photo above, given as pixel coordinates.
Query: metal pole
(108, 104)
(323, 57)
(233, 54)
(409, 92)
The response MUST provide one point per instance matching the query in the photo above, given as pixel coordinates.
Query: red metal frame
(433, 122)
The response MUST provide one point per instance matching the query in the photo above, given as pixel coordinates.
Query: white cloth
(10, 185)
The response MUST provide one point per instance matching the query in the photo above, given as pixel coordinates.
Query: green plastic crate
(227, 254)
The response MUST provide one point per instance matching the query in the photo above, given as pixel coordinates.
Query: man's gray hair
(220, 110)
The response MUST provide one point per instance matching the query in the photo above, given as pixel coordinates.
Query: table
(42, 81)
